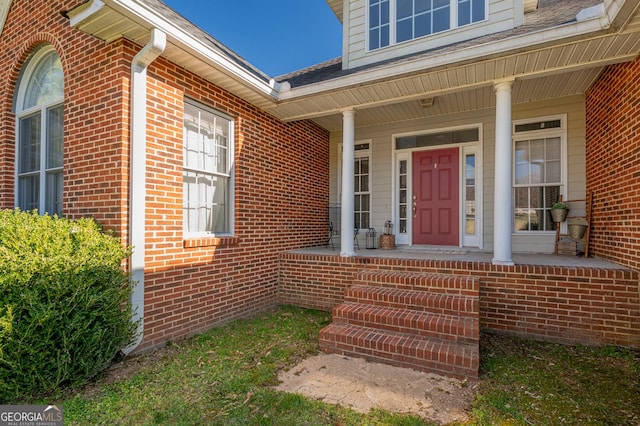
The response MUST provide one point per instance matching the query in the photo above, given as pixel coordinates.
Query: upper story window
(40, 133)
(208, 171)
(395, 21)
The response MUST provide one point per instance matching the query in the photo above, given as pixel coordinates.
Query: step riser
(407, 321)
(415, 300)
(446, 284)
(460, 361)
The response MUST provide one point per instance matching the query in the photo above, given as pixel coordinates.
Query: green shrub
(64, 303)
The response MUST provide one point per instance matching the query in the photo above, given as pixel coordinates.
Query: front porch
(546, 297)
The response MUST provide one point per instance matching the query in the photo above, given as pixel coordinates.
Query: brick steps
(402, 350)
(428, 322)
(416, 300)
(404, 320)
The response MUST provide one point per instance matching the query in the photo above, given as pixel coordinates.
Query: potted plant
(559, 211)
(577, 228)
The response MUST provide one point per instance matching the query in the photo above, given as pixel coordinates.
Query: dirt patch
(362, 386)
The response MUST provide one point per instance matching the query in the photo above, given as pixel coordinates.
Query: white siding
(503, 15)
(382, 161)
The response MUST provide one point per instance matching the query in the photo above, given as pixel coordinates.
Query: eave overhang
(110, 20)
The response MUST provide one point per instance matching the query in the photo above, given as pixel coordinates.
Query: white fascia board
(141, 13)
(5, 5)
(517, 43)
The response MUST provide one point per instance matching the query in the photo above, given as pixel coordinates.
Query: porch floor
(465, 254)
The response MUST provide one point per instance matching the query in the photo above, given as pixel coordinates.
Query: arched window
(39, 130)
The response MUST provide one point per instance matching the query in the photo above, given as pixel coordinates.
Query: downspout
(137, 174)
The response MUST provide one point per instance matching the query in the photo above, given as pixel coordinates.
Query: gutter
(137, 173)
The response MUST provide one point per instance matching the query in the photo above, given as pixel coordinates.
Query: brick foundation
(562, 304)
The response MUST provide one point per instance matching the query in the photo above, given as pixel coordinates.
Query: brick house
(459, 122)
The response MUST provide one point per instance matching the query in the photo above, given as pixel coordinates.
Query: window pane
(403, 166)
(384, 12)
(553, 148)
(478, 11)
(404, 9)
(29, 192)
(374, 15)
(441, 15)
(364, 184)
(55, 137)
(384, 36)
(422, 6)
(423, 25)
(46, 84)
(54, 193)
(364, 221)
(364, 164)
(404, 30)
(30, 133)
(464, 12)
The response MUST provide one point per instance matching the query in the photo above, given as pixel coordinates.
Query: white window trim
(465, 148)
(453, 24)
(22, 85)
(545, 133)
(231, 175)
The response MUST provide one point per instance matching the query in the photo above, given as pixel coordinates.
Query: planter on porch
(559, 212)
(387, 242)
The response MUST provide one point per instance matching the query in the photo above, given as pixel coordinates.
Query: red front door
(435, 197)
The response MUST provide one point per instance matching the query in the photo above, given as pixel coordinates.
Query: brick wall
(563, 304)
(281, 173)
(95, 112)
(280, 204)
(613, 163)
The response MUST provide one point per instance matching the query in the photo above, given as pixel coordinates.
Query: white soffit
(338, 7)
(475, 99)
(530, 5)
(110, 20)
(580, 55)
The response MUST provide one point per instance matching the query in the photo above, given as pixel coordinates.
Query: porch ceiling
(556, 70)
(524, 90)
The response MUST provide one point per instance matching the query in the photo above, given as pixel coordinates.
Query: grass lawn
(225, 375)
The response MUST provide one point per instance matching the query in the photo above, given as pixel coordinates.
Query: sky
(277, 36)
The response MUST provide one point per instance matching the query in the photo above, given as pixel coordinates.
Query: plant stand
(587, 231)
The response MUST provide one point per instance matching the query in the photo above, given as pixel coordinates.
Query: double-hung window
(395, 21)
(40, 133)
(208, 171)
(539, 172)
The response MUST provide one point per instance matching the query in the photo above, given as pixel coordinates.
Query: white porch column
(348, 157)
(503, 198)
